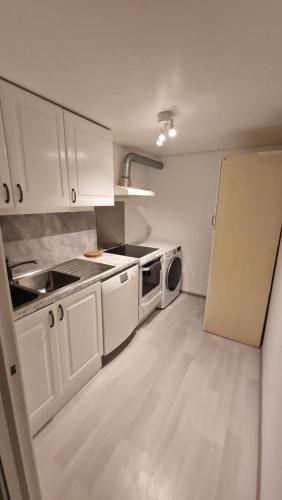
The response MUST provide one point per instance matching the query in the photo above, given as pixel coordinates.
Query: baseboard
(194, 294)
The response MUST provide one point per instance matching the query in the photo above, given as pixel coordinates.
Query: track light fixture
(166, 126)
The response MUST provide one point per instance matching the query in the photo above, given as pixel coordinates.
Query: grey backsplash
(110, 222)
(49, 238)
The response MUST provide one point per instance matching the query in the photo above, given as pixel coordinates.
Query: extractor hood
(124, 192)
(124, 189)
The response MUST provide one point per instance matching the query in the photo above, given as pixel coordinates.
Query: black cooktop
(131, 250)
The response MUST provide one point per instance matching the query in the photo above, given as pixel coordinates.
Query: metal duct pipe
(125, 179)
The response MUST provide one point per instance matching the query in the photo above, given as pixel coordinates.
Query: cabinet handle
(51, 319)
(7, 199)
(62, 313)
(213, 220)
(73, 195)
(20, 192)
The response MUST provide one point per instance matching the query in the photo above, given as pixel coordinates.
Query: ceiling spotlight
(160, 140)
(172, 131)
(166, 124)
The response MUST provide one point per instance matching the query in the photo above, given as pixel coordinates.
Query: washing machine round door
(173, 274)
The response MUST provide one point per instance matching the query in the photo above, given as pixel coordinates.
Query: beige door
(246, 238)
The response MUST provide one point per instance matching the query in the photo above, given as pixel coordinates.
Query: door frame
(17, 449)
(9, 479)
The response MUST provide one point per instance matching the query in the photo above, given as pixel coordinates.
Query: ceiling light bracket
(165, 116)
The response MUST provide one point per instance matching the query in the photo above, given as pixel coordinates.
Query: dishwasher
(120, 307)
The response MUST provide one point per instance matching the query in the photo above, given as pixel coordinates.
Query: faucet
(16, 264)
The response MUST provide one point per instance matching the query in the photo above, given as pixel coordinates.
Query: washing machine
(171, 270)
(171, 275)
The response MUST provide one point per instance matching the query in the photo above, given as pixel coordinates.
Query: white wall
(182, 210)
(271, 460)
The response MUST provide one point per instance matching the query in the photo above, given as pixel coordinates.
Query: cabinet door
(246, 238)
(80, 333)
(36, 149)
(6, 196)
(90, 161)
(39, 359)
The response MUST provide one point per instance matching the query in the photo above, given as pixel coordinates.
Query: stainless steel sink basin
(20, 296)
(47, 281)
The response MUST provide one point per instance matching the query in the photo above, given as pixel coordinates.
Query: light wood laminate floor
(173, 417)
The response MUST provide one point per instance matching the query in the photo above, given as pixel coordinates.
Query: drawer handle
(151, 300)
(62, 313)
(73, 195)
(20, 192)
(7, 199)
(51, 319)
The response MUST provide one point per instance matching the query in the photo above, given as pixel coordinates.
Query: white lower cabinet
(80, 335)
(60, 348)
(37, 337)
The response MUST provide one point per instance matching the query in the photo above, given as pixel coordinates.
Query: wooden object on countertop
(93, 253)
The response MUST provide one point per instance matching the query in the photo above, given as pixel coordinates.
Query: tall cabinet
(246, 237)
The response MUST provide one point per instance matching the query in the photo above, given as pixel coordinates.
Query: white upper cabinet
(6, 195)
(35, 143)
(90, 162)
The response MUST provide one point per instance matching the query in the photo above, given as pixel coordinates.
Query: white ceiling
(216, 63)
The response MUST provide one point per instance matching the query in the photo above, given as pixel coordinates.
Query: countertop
(119, 262)
(150, 256)
(163, 246)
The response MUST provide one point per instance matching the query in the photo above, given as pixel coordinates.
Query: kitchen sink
(47, 281)
(20, 296)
